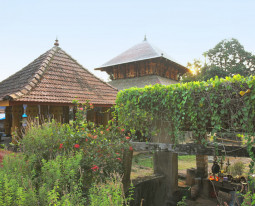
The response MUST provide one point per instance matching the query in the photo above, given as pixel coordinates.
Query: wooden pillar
(8, 120)
(66, 114)
(17, 112)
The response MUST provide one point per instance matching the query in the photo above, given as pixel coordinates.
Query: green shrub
(58, 163)
(237, 168)
(109, 193)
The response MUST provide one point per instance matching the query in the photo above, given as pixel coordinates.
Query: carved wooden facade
(157, 66)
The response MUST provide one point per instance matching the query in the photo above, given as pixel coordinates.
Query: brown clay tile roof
(57, 78)
(139, 52)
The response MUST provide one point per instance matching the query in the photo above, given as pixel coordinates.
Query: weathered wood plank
(193, 149)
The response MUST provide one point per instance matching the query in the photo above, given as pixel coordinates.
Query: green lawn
(146, 160)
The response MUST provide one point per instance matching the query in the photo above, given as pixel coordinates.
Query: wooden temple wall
(100, 115)
(143, 68)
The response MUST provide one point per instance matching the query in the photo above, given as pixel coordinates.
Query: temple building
(47, 86)
(141, 65)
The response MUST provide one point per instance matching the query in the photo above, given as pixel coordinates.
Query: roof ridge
(33, 82)
(88, 70)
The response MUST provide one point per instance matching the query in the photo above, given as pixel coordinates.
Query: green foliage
(143, 160)
(182, 202)
(58, 163)
(230, 57)
(249, 199)
(215, 107)
(237, 168)
(110, 193)
(195, 74)
(227, 58)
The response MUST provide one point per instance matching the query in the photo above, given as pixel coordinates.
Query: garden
(83, 164)
(66, 164)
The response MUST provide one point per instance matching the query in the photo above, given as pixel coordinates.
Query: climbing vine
(212, 110)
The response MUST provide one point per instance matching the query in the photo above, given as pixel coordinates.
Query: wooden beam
(193, 149)
(4, 103)
(12, 103)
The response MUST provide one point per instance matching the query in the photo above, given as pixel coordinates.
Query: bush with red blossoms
(102, 147)
(64, 160)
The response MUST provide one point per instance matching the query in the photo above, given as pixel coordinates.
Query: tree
(227, 58)
(195, 68)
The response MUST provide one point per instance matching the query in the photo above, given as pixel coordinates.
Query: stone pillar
(127, 164)
(17, 112)
(8, 120)
(202, 166)
(166, 163)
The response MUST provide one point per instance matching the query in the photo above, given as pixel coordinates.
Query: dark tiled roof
(56, 77)
(141, 82)
(141, 51)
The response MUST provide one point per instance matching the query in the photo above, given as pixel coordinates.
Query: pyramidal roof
(141, 51)
(55, 77)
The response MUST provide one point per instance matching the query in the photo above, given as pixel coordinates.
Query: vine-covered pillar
(166, 164)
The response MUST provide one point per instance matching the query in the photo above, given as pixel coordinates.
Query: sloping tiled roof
(56, 77)
(141, 82)
(141, 51)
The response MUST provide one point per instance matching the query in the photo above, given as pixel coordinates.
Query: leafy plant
(110, 193)
(182, 202)
(214, 108)
(59, 163)
(237, 168)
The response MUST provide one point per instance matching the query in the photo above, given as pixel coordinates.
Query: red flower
(118, 159)
(77, 146)
(81, 109)
(122, 130)
(102, 132)
(107, 129)
(95, 137)
(60, 146)
(94, 168)
(131, 148)
(117, 153)
(127, 138)
(86, 139)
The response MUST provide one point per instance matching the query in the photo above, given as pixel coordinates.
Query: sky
(93, 32)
